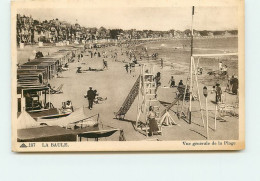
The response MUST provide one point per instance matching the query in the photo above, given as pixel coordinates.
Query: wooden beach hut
(31, 96)
(62, 55)
(54, 64)
(28, 75)
(40, 64)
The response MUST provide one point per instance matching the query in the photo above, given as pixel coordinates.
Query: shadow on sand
(198, 133)
(133, 124)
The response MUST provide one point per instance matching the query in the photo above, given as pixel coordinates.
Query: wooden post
(191, 62)
(49, 98)
(215, 120)
(23, 101)
(138, 102)
(185, 91)
(45, 97)
(190, 70)
(191, 74)
(207, 118)
(197, 85)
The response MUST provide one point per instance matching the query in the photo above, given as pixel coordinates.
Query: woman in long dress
(152, 122)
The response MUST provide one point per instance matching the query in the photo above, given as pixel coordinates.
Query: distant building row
(30, 30)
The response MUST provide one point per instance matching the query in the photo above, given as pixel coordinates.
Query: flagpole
(191, 60)
(192, 31)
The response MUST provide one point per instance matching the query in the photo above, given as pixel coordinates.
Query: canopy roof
(48, 59)
(40, 62)
(60, 53)
(55, 55)
(28, 74)
(30, 86)
(67, 49)
(35, 62)
(29, 71)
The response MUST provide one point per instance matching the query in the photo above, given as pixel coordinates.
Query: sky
(161, 18)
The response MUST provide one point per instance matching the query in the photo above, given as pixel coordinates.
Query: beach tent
(26, 121)
(74, 117)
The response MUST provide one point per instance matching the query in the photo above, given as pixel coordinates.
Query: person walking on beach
(126, 67)
(172, 82)
(161, 63)
(105, 64)
(91, 96)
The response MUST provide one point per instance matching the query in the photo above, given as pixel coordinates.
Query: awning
(30, 87)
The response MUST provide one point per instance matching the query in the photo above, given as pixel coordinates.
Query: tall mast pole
(189, 77)
(191, 64)
(192, 31)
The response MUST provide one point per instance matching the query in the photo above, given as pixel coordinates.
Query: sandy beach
(115, 83)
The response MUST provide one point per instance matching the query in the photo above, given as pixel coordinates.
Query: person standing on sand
(152, 122)
(218, 93)
(106, 64)
(220, 66)
(172, 82)
(91, 96)
(180, 83)
(157, 80)
(80, 57)
(234, 83)
(130, 68)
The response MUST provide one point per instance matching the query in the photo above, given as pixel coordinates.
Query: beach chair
(57, 91)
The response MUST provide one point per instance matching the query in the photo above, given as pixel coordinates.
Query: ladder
(146, 97)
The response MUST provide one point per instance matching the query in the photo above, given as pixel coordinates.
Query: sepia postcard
(121, 75)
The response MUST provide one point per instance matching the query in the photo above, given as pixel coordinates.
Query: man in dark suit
(91, 96)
